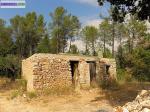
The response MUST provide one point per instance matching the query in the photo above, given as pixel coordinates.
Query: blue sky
(87, 10)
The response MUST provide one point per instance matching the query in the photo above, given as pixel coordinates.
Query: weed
(21, 84)
(14, 94)
(32, 95)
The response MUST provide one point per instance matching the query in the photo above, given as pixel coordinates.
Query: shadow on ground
(122, 94)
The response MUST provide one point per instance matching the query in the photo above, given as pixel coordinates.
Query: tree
(123, 7)
(9, 66)
(6, 42)
(121, 35)
(27, 32)
(90, 35)
(138, 62)
(44, 45)
(105, 32)
(73, 25)
(112, 27)
(136, 30)
(73, 49)
(63, 26)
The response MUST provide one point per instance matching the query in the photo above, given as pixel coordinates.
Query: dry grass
(58, 91)
(122, 93)
(32, 95)
(6, 84)
(116, 95)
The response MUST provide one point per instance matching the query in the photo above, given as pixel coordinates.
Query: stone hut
(51, 70)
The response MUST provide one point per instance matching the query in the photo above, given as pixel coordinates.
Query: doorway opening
(74, 72)
(107, 69)
(106, 75)
(92, 69)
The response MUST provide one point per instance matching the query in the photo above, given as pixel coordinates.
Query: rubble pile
(140, 104)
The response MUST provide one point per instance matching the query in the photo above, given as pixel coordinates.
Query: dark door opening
(106, 74)
(74, 72)
(92, 68)
(107, 69)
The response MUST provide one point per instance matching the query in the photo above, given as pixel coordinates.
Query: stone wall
(49, 73)
(84, 73)
(27, 73)
(111, 71)
(46, 72)
(50, 70)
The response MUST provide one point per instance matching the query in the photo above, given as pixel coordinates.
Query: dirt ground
(93, 100)
(85, 101)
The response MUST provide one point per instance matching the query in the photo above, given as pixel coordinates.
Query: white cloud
(94, 22)
(89, 2)
(79, 43)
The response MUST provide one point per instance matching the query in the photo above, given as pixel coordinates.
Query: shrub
(109, 84)
(123, 75)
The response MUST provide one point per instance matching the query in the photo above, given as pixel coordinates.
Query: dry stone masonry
(51, 70)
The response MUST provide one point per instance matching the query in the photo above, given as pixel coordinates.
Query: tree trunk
(30, 50)
(12, 71)
(57, 49)
(113, 40)
(104, 55)
(70, 44)
(129, 42)
(132, 41)
(93, 49)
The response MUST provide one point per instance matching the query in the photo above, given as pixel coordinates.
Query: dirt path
(84, 102)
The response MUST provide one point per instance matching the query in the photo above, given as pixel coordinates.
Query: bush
(10, 66)
(109, 84)
(137, 62)
(123, 75)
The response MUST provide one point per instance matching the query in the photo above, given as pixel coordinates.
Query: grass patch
(21, 84)
(7, 84)
(32, 95)
(113, 84)
(58, 91)
(14, 94)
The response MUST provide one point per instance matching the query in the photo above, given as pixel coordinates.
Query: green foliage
(27, 31)
(44, 45)
(9, 66)
(63, 26)
(24, 37)
(89, 35)
(123, 7)
(105, 35)
(137, 63)
(74, 49)
(107, 53)
(123, 76)
(141, 63)
(6, 42)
